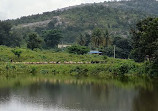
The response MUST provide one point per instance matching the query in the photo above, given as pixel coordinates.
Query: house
(63, 46)
(95, 52)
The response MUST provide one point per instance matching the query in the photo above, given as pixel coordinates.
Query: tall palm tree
(81, 40)
(97, 39)
(106, 38)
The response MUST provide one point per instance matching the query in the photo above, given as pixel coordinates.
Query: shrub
(123, 68)
(44, 71)
(33, 70)
(17, 52)
(78, 50)
(79, 71)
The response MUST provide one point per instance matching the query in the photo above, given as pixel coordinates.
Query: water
(47, 96)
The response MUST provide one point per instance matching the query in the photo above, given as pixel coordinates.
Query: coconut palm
(106, 38)
(97, 38)
(81, 40)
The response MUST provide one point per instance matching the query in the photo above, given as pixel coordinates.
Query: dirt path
(70, 62)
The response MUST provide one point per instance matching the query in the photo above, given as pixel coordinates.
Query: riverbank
(108, 70)
(52, 63)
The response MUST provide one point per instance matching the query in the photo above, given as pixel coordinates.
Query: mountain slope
(118, 17)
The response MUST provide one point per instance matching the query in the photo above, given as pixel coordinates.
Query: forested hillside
(117, 17)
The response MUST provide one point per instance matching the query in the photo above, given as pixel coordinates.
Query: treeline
(104, 41)
(142, 46)
(148, 6)
(83, 19)
(13, 38)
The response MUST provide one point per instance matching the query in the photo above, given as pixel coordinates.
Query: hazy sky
(10, 9)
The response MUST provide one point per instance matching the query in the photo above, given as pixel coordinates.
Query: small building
(63, 46)
(95, 52)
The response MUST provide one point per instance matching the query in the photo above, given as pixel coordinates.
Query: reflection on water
(46, 96)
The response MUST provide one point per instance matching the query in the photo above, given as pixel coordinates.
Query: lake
(78, 96)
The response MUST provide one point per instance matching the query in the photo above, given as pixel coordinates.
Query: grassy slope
(109, 70)
(43, 56)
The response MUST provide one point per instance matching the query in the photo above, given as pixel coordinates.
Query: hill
(117, 17)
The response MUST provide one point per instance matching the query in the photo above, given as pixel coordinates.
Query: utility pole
(114, 51)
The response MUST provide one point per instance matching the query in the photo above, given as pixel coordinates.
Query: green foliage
(8, 36)
(44, 71)
(52, 38)
(81, 19)
(145, 40)
(81, 40)
(33, 70)
(17, 52)
(123, 47)
(34, 41)
(43, 56)
(97, 38)
(123, 68)
(5, 28)
(79, 71)
(108, 51)
(78, 50)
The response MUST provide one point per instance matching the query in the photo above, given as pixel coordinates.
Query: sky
(11, 9)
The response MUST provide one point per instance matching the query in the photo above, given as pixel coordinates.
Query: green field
(110, 69)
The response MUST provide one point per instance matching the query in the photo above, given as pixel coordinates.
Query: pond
(72, 96)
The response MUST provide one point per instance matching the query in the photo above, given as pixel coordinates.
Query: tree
(5, 29)
(106, 39)
(145, 39)
(78, 50)
(81, 40)
(34, 41)
(9, 36)
(52, 38)
(15, 38)
(97, 39)
(145, 44)
(123, 47)
(88, 39)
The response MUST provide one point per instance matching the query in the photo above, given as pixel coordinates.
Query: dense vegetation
(37, 55)
(110, 69)
(117, 17)
(93, 27)
(145, 43)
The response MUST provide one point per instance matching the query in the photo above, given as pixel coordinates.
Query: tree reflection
(147, 100)
(4, 95)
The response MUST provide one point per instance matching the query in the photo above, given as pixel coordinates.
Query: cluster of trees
(142, 46)
(98, 38)
(83, 19)
(145, 43)
(13, 38)
(8, 37)
(105, 42)
(49, 39)
(76, 49)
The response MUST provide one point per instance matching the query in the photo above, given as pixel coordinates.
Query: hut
(95, 52)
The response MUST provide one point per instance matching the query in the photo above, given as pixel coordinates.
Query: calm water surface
(46, 96)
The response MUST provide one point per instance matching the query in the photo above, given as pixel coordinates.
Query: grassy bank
(111, 69)
(27, 55)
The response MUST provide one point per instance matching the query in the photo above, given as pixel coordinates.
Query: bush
(33, 70)
(79, 71)
(78, 50)
(17, 52)
(123, 68)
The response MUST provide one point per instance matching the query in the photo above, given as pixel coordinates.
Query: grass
(37, 55)
(120, 69)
